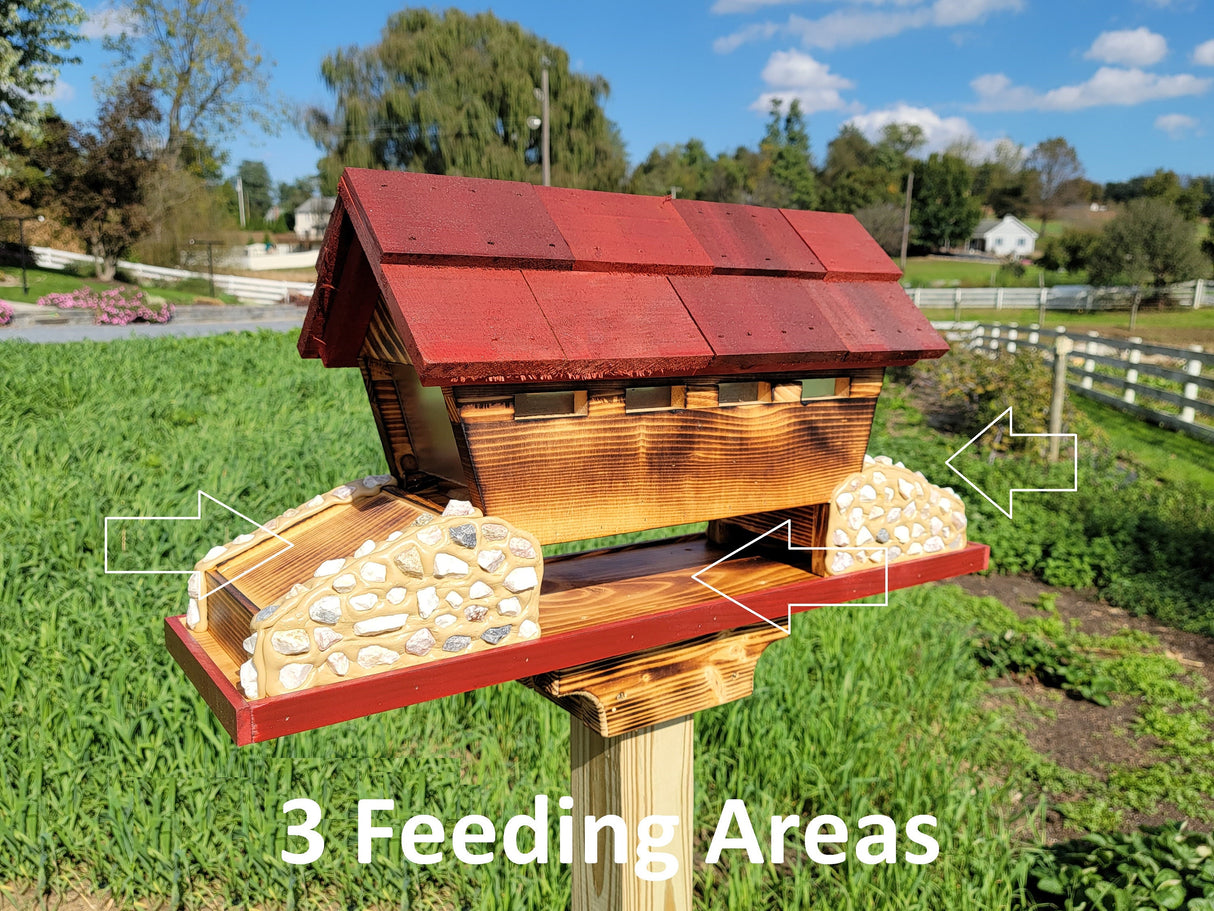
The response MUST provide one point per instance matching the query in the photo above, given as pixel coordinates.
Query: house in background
(1007, 236)
(312, 217)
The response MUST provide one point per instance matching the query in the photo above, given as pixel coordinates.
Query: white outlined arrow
(1011, 493)
(787, 630)
(287, 545)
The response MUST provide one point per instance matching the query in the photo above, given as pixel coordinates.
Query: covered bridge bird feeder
(549, 365)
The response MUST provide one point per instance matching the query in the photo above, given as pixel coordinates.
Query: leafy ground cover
(118, 782)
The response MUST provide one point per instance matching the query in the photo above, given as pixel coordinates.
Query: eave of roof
(497, 281)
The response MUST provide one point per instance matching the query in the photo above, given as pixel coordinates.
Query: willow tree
(450, 93)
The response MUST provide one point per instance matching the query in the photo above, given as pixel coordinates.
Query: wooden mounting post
(646, 772)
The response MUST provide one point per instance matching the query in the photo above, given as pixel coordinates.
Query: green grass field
(935, 272)
(118, 782)
(47, 281)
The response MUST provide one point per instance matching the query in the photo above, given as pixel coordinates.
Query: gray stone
(883, 536)
(424, 519)
(490, 560)
(476, 612)
(326, 610)
(290, 642)
(420, 642)
(496, 634)
(457, 643)
(494, 532)
(373, 626)
(521, 579)
(409, 562)
(265, 613)
(447, 565)
(292, 676)
(370, 656)
(464, 535)
(521, 547)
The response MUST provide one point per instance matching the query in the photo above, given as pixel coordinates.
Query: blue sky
(1128, 82)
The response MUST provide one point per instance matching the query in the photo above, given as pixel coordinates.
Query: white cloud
(107, 21)
(792, 74)
(1175, 125)
(722, 7)
(1129, 47)
(1108, 86)
(1203, 54)
(850, 25)
(939, 133)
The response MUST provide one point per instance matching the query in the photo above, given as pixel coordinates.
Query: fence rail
(254, 290)
(1177, 383)
(1077, 298)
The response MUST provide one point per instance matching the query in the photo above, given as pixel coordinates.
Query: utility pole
(544, 127)
(240, 197)
(910, 183)
(21, 220)
(210, 259)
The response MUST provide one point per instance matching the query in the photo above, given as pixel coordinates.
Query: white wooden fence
(254, 290)
(1084, 298)
(1164, 385)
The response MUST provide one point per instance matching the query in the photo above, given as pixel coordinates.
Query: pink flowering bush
(113, 307)
(6, 313)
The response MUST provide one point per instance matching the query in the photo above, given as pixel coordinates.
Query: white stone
(344, 583)
(377, 480)
(841, 539)
(396, 595)
(373, 626)
(946, 505)
(936, 525)
(918, 489)
(345, 492)
(521, 579)
(444, 620)
(248, 679)
(242, 539)
(373, 572)
(193, 585)
(370, 656)
(883, 460)
(290, 513)
(856, 519)
(864, 537)
(339, 664)
(420, 642)
(878, 477)
(934, 496)
(325, 637)
(459, 508)
(250, 644)
(318, 500)
(917, 530)
(430, 534)
(454, 599)
(906, 488)
(329, 568)
(292, 676)
(427, 602)
(868, 460)
(509, 607)
(894, 515)
(914, 550)
(902, 533)
(326, 609)
(365, 601)
(395, 536)
(876, 512)
(521, 547)
(297, 589)
(217, 551)
(844, 500)
(447, 565)
(290, 642)
(877, 556)
(365, 548)
(909, 510)
(889, 495)
(960, 520)
(479, 590)
(193, 616)
(490, 560)
(528, 630)
(867, 494)
(841, 561)
(933, 545)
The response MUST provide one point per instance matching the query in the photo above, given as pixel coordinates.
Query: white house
(312, 217)
(1007, 236)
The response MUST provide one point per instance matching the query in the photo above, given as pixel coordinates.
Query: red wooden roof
(495, 281)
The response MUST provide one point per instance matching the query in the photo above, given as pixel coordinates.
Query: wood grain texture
(610, 232)
(592, 606)
(383, 340)
(389, 416)
(748, 239)
(622, 694)
(339, 330)
(843, 246)
(566, 479)
(334, 251)
(643, 773)
(208, 667)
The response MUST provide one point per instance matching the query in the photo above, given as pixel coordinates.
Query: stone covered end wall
(449, 585)
(888, 505)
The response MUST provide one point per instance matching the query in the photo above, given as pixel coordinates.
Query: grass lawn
(1176, 327)
(45, 281)
(934, 272)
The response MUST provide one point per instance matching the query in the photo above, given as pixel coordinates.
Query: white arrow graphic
(202, 494)
(1015, 490)
(787, 628)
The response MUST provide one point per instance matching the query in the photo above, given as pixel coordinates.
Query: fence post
(995, 332)
(1013, 333)
(915, 298)
(998, 298)
(1042, 297)
(1034, 335)
(1199, 293)
(956, 305)
(1131, 375)
(976, 337)
(1062, 348)
(1089, 365)
(1192, 368)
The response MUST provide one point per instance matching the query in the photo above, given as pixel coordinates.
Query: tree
(785, 175)
(884, 223)
(1147, 241)
(1056, 166)
(685, 166)
(255, 179)
(450, 93)
(34, 36)
(943, 210)
(205, 77)
(1003, 183)
(98, 175)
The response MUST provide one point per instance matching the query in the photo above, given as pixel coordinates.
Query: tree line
(455, 93)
